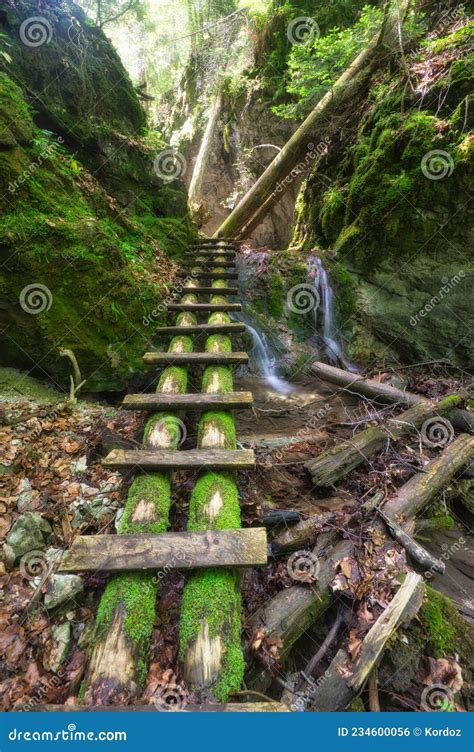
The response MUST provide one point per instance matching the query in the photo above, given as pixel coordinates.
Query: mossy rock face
(85, 232)
(398, 214)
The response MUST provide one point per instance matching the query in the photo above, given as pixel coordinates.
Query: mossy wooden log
(422, 487)
(320, 123)
(226, 401)
(202, 274)
(334, 464)
(197, 358)
(117, 665)
(205, 307)
(335, 690)
(354, 383)
(210, 629)
(222, 290)
(226, 328)
(190, 459)
(213, 548)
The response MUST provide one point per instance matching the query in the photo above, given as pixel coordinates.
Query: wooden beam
(201, 329)
(198, 358)
(210, 290)
(209, 263)
(200, 401)
(213, 548)
(200, 307)
(191, 459)
(210, 275)
(210, 253)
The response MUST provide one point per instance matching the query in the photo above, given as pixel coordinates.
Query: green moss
(220, 375)
(446, 631)
(219, 343)
(212, 596)
(155, 490)
(206, 487)
(178, 376)
(223, 422)
(181, 344)
(135, 594)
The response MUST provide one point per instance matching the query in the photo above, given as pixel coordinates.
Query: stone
(62, 589)
(30, 532)
(57, 647)
(25, 496)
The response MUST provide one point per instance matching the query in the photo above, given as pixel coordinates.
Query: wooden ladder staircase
(209, 546)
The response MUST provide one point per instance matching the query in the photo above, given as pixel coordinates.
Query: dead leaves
(445, 671)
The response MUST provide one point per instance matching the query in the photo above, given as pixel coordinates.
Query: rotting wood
(224, 400)
(200, 307)
(197, 358)
(354, 383)
(213, 548)
(208, 329)
(417, 553)
(334, 464)
(335, 690)
(190, 459)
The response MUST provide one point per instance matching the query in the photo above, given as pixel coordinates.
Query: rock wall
(88, 225)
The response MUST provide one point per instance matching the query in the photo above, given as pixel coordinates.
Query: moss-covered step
(190, 550)
(222, 401)
(210, 253)
(210, 275)
(198, 358)
(190, 459)
(199, 307)
(213, 290)
(230, 328)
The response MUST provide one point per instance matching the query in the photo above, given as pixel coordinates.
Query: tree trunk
(117, 667)
(334, 464)
(200, 166)
(275, 180)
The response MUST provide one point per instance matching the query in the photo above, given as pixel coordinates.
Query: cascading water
(263, 359)
(317, 278)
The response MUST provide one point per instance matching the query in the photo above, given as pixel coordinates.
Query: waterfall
(317, 278)
(263, 358)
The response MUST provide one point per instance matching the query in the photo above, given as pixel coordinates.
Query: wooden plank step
(210, 275)
(143, 551)
(197, 358)
(210, 253)
(231, 328)
(189, 459)
(215, 241)
(197, 307)
(209, 263)
(228, 707)
(210, 290)
(165, 401)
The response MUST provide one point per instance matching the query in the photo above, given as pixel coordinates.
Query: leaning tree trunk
(276, 179)
(334, 464)
(195, 186)
(210, 629)
(126, 614)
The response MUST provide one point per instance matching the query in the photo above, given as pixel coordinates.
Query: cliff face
(389, 208)
(89, 223)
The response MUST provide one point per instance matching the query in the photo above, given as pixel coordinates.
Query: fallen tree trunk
(334, 691)
(194, 191)
(117, 667)
(356, 384)
(276, 179)
(334, 464)
(210, 629)
(291, 611)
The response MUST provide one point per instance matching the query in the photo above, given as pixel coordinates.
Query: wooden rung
(228, 707)
(197, 358)
(208, 263)
(210, 275)
(210, 253)
(142, 551)
(209, 290)
(196, 307)
(202, 328)
(190, 459)
(215, 241)
(166, 401)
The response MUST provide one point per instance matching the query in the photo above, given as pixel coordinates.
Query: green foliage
(314, 66)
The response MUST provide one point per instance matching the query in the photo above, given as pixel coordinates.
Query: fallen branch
(416, 551)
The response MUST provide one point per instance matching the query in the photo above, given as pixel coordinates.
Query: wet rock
(30, 532)
(57, 647)
(25, 496)
(62, 589)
